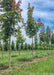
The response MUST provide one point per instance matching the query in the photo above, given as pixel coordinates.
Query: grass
(19, 68)
(24, 55)
(46, 66)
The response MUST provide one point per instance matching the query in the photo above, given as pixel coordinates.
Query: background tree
(29, 47)
(48, 33)
(22, 46)
(19, 37)
(36, 42)
(32, 27)
(25, 46)
(52, 39)
(1, 39)
(13, 46)
(42, 36)
(17, 45)
(6, 45)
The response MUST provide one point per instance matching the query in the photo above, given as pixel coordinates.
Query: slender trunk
(2, 53)
(32, 47)
(9, 54)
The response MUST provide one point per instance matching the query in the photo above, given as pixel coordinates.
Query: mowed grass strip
(45, 67)
(24, 55)
(17, 64)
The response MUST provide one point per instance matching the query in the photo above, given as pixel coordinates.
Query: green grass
(19, 68)
(24, 55)
(45, 67)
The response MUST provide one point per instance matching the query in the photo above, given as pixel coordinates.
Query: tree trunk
(32, 47)
(9, 54)
(2, 53)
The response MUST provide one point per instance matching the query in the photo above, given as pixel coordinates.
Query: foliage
(6, 45)
(17, 45)
(0, 46)
(52, 39)
(22, 46)
(31, 28)
(48, 32)
(36, 42)
(25, 46)
(19, 38)
(12, 46)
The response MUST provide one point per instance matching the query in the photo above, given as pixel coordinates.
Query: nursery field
(25, 65)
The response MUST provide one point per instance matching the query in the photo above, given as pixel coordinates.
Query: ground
(43, 62)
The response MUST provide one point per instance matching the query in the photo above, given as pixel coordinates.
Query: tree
(32, 27)
(6, 45)
(48, 33)
(17, 45)
(1, 38)
(52, 39)
(25, 46)
(9, 19)
(1, 48)
(42, 36)
(22, 46)
(19, 37)
(36, 42)
(29, 47)
(12, 46)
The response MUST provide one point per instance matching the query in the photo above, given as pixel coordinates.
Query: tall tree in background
(9, 19)
(21, 46)
(31, 28)
(13, 46)
(17, 45)
(19, 37)
(48, 33)
(36, 42)
(42, 34)
(52, 39)
(1, 45)
(6, 45)
(25, 46)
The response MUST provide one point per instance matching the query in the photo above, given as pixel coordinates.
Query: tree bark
(32, 47)
(9, 54)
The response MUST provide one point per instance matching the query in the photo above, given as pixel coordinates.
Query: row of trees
(47, 36)
(10, 18)
(26, 46)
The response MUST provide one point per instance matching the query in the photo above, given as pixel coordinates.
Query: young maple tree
(19, 38)
(52, 39)
(36, 41)
(32, 27)
(10, 18)
(48, 33)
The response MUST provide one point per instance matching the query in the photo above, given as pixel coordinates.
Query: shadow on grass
(14, 55)
(3, 67)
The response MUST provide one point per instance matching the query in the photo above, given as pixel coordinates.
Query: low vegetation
(19, 67)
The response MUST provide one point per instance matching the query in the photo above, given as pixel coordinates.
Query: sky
(43, 9)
